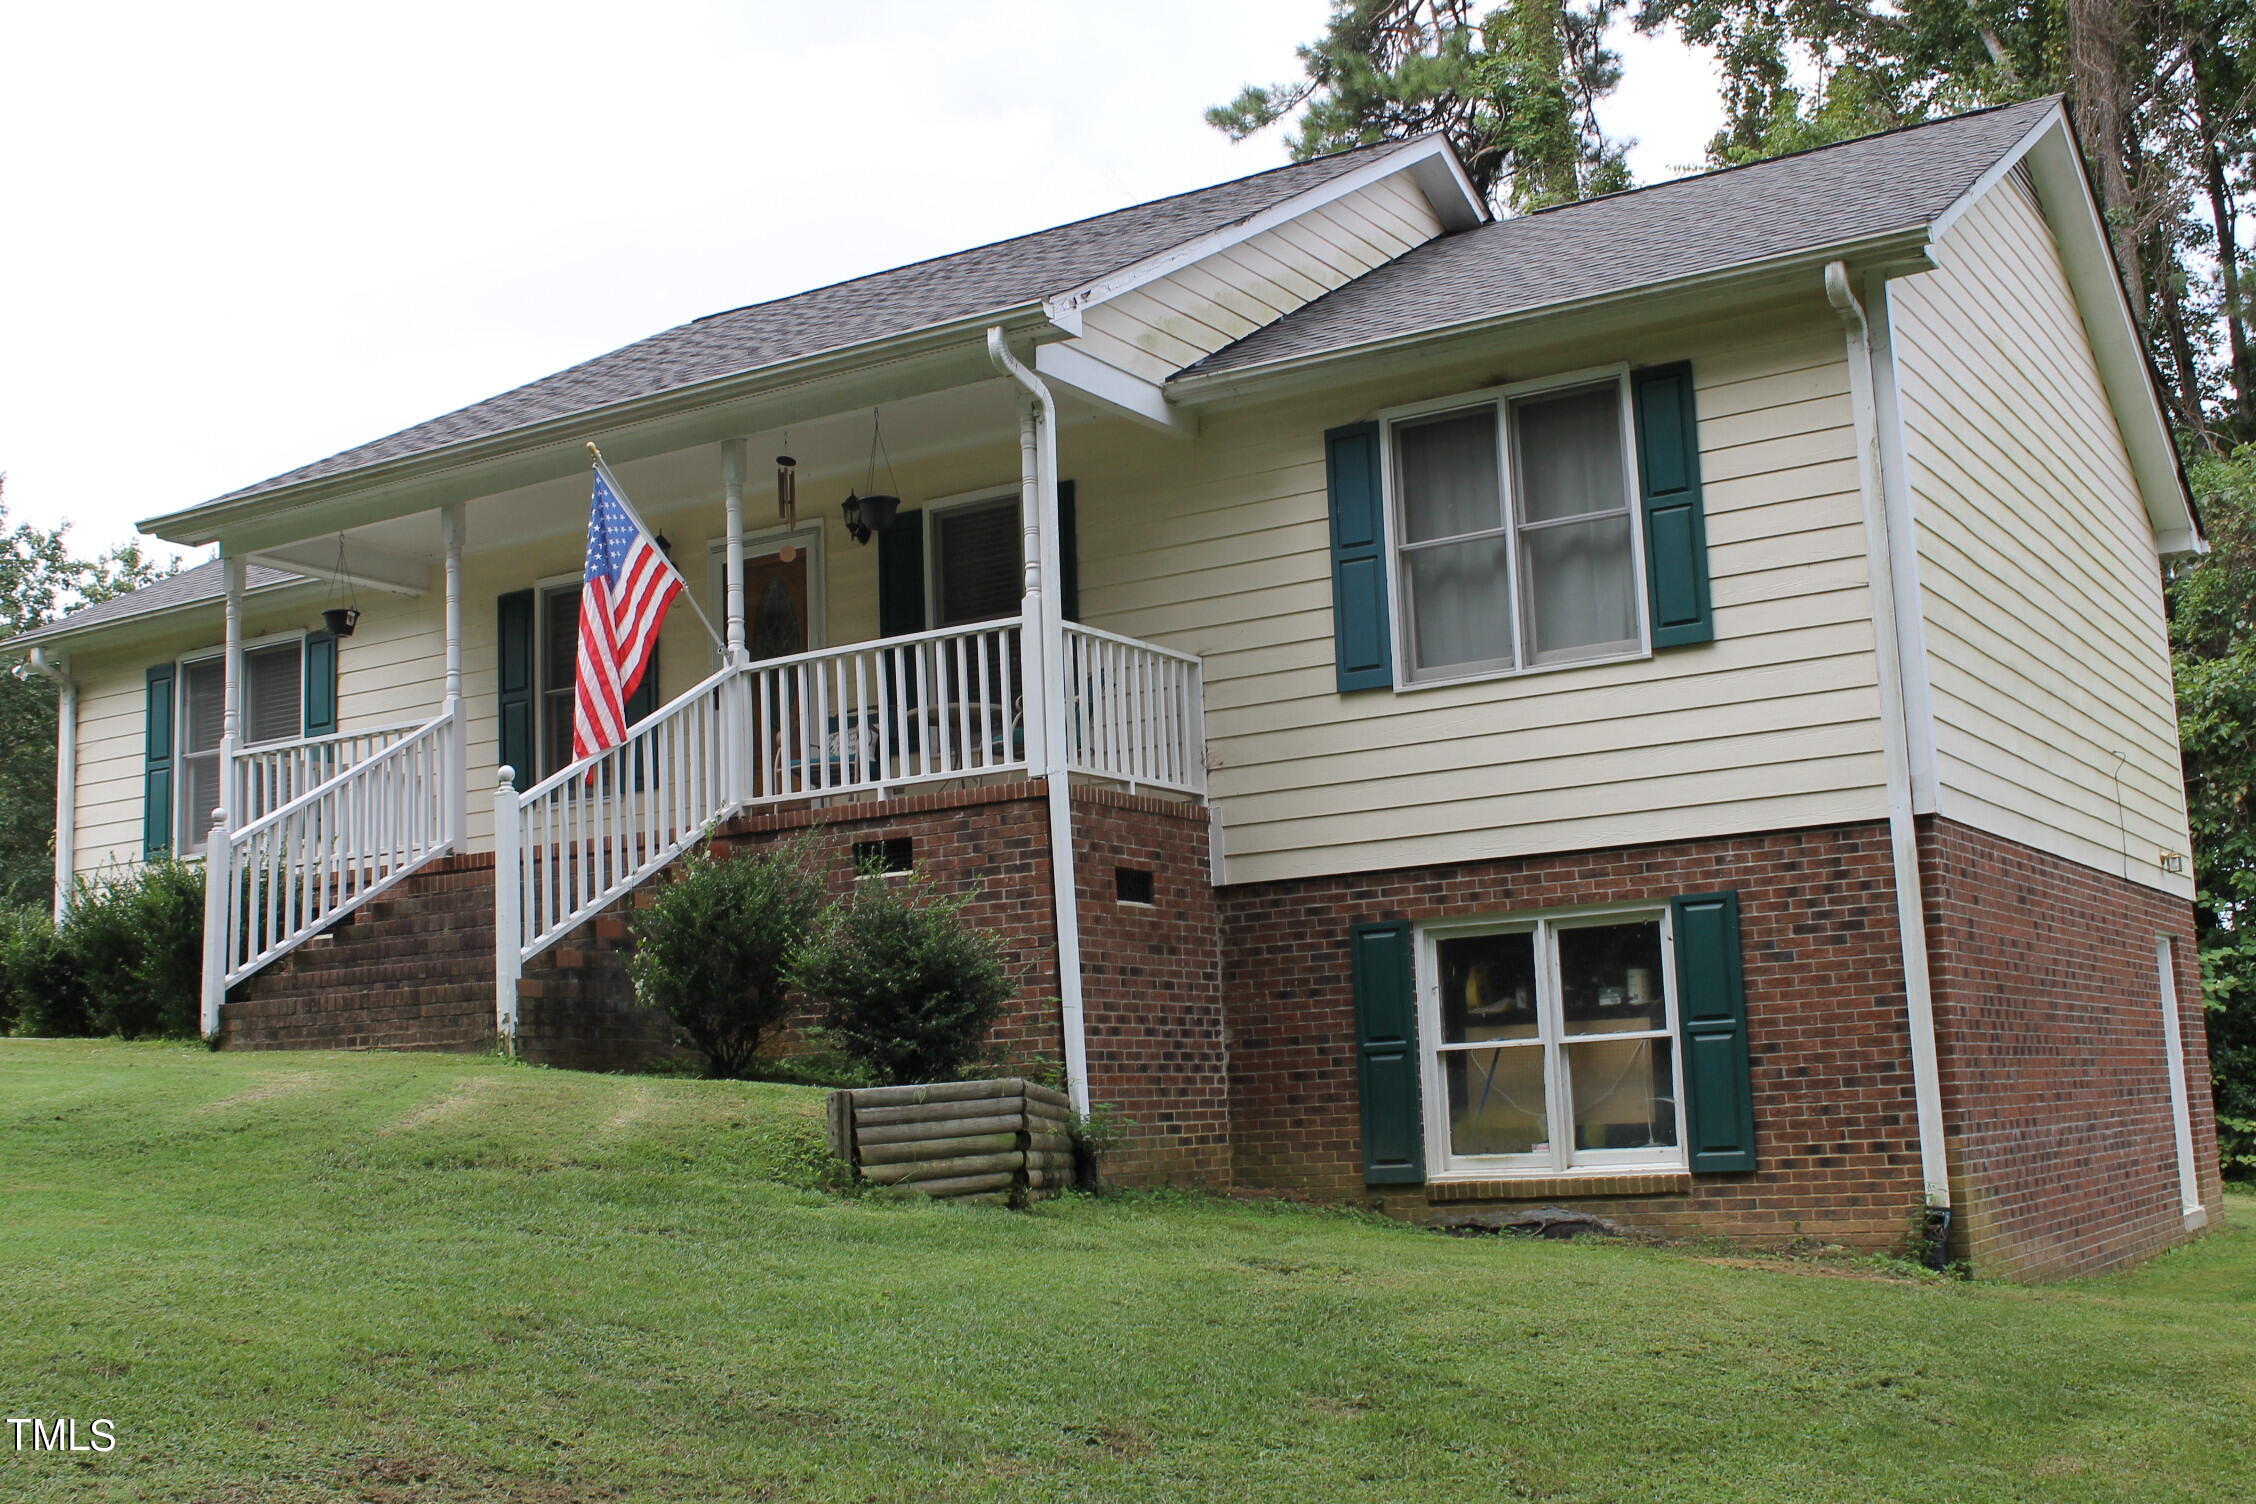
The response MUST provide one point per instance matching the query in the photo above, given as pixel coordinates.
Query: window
(559, 662)
(978, 568)
(1513, 540)
(1132, 884)
(1554, 1046)
(273, 710)
(887, 857)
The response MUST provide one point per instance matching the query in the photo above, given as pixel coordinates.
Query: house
(1658, 707)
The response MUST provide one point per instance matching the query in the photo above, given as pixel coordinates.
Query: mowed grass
(393, 1277)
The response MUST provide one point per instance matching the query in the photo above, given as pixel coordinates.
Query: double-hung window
(1553, 1046)
(273, 707)
(977, 568)
(1513, 537)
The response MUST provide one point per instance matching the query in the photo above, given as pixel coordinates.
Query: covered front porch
(939, 653)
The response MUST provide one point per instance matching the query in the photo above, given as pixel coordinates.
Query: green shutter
(1676, 529)
(514, 684)
(900, 575)
(1069, 555)
(1711, 1016)
(156, 763)
(1362, 642)
(320, 684)
(1386, 1033)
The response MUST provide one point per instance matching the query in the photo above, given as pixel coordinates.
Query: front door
(776, 623)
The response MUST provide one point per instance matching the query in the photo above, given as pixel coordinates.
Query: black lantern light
(872, 514)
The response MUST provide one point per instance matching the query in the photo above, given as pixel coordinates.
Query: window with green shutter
(1676, 529)
(514, 638)
(157, 761)
(1712, 1017)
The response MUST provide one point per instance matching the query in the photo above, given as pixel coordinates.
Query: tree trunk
(2098, 100)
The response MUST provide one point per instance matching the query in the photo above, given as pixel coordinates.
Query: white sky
(242, 236)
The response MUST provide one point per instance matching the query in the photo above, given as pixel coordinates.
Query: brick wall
(1836, 1140)
(1151, 979)
(2049, 1027)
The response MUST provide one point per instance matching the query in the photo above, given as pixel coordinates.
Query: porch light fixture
(872, 514)
(340, 620)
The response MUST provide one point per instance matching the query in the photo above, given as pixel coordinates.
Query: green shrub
(136, 942)
(40, 990)
(712, 948)
(904, 985)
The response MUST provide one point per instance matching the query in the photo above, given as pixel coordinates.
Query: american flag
(629, 586)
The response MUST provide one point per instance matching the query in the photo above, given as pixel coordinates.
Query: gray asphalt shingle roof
(991, 277)
(1646, 236)
(200, 583)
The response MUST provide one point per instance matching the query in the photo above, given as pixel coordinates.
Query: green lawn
(394, 1277)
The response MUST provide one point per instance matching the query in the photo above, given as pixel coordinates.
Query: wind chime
(341, 619)
(787, 498)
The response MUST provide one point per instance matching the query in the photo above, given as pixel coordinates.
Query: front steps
(412, 970)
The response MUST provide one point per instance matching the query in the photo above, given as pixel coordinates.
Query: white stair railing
(273, 775)
(301, 867)
(1134, 712)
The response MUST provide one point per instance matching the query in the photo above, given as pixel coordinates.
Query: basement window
(889, 857)
(1132, 885)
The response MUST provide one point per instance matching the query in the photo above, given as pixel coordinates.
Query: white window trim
(193, 850)
(808, 539)
(1502, 397)
(1443, 1166)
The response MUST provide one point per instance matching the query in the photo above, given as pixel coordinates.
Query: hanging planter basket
(340, 620)
(342, 614)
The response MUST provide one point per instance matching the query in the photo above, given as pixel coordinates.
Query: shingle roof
(1814, 199)
(992, 277)
(200, 583)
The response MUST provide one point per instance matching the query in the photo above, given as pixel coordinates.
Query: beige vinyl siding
(1222, 548)
(2046, 647)
(1157, 329)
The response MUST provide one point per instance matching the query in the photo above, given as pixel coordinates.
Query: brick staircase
(413, 970)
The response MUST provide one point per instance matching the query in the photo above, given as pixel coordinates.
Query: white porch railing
(306, 864)
(272, 776)
(1134, 712)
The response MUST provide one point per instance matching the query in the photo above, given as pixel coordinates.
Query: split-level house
(1657, 708)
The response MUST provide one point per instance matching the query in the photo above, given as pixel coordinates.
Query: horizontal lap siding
(1157, 329)
(2042, 599)
(1219, 547)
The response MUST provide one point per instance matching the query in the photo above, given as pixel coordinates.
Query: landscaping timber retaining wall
(999, 1142)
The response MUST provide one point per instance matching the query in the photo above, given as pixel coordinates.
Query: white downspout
(1896, 739)
(1039, 507)
(66, 775)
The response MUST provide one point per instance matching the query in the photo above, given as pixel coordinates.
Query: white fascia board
(1118, 391)
(2057, 169)
(127, 623)
(1433, 166)
(383, 569)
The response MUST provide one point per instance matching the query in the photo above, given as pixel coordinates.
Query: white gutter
(1895, 735)
(66, 773)
(1038, 503)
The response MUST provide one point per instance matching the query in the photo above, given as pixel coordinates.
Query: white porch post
(737, 750)
(458, 738)
(509, 927)
(219, 875)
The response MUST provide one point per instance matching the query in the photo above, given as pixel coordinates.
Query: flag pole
(619, 490)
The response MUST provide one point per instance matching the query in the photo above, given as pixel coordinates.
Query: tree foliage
(2213, 638)
(1515, 88)
(40, 579)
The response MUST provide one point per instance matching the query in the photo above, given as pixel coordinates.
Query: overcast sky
(245, 236)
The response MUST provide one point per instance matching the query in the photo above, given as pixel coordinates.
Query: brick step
(444, 948)
(388, 965)
(319, 1003)
(374, 1033)
(382, 922)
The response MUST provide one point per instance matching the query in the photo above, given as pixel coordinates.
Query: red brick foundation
(1837, 1145)
(2048, 1013)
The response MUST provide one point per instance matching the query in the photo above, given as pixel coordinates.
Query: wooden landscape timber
(1004, 1141)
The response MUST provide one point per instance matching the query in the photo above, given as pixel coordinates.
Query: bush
(712, 948)
(40, 991)
(905, 986)
(136, 943)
